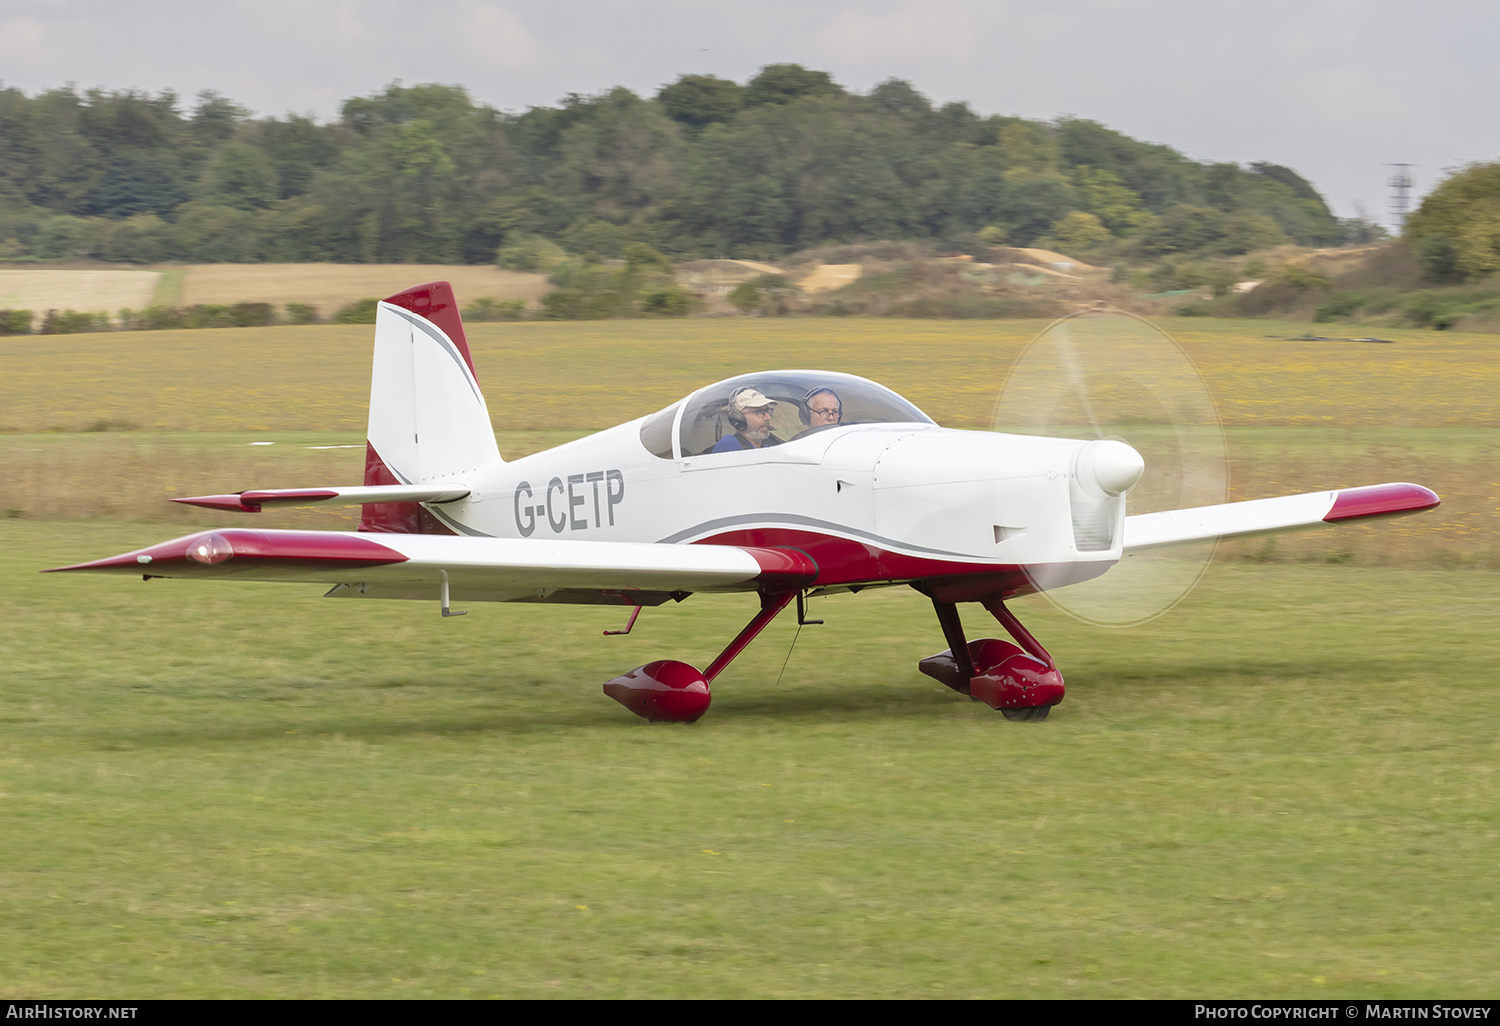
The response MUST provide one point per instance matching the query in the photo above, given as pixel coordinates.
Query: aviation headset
(808, 398)
(736, 417)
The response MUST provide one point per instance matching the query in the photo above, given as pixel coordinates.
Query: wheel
(1034, 714)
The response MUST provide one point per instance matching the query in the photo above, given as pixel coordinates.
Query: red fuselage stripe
(842, 561)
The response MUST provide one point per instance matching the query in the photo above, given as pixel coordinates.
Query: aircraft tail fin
(428, 418)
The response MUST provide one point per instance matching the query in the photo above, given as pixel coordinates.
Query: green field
(1287, 786)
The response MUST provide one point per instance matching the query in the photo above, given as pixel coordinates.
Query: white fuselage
(869, 503)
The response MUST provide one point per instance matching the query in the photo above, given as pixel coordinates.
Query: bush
(529, 253)
(301, 313)
(490, 309)
(361, 311)
(1339, 306)
(589, 289)
(668, 301)
(1300, 277)
(158, 318)
(564, 305)
(761, 293)
(1441, 310)
(1426, 309)
(642, 258)
(252, 315)
(72, 322)
(205, 315)
(1438, 259)
(15, 322)
(572, 304)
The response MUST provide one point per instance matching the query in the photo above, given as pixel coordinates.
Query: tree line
(705, 168)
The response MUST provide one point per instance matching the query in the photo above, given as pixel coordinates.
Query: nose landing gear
(1019, 680)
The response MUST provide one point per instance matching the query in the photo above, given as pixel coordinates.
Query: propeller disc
(1105, 374)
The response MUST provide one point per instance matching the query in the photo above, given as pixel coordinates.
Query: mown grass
(168, 408)
(107, 475)
(168, 291)
(584, 375)
(1285, 787)
(112, 474)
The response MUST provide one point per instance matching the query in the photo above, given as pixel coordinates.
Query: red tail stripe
(435, 302)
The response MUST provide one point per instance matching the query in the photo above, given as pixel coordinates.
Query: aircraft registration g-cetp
(780, 484)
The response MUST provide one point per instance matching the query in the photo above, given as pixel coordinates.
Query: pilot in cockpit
(750, 416)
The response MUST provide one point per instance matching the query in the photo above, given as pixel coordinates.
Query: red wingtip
(1381, 500)
(435, 302)
(210, 548)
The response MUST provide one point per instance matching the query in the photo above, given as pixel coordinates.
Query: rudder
(428, 418)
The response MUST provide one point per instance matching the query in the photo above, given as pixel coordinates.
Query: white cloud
(22, 40)
(916, 31)
(493, 34)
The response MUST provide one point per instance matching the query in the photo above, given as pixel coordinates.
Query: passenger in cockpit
(750, 416)
(824, 407)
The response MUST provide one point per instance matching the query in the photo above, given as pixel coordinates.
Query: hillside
(706, 169)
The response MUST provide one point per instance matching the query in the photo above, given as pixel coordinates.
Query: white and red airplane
(874, 493)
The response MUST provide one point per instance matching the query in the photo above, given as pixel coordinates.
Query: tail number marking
(566, 504)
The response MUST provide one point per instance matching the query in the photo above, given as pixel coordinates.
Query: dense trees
(707, 167)
(1456, 231)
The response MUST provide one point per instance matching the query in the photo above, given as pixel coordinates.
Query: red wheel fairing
(1005, 675)
(1009, 678)
(664, 691)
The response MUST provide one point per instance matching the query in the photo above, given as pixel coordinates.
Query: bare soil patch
(826, 277)
(723, 272)
(758, 267)
(1047, 259)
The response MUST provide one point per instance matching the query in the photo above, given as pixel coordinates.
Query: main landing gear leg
(674, 692)
(1019, 680)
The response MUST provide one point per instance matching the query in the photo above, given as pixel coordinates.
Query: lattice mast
(1401, 186)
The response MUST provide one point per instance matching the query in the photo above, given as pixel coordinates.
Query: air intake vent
(1093, 519)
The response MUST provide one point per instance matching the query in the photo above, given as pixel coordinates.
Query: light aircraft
(683, 500)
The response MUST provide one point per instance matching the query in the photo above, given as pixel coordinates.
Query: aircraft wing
(355, 495)
(413, 566)
(1269, 516)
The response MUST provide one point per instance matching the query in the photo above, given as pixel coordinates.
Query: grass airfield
(1287, 786)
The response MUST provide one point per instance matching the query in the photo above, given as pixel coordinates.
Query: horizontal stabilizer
(354, 495)
(478, 569)
(1269, 516)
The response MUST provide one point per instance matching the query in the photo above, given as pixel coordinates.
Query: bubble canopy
(703, 420)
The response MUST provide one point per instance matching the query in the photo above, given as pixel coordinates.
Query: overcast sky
(1335, 89)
